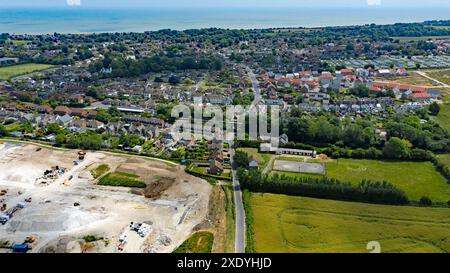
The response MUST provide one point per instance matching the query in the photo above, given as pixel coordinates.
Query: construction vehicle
(30, 240)
(4, 218)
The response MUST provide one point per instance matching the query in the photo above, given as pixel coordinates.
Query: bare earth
(178, 202)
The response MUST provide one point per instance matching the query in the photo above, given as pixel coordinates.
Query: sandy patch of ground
(179, 202)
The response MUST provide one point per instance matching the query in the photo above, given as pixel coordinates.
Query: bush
(425, 201)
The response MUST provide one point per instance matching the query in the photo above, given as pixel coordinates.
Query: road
(240, 213)
(238, 202)
(255, 85)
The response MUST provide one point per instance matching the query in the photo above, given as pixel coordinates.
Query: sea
(99, 20)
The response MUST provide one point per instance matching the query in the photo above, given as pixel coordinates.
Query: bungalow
(420, 97)
(62, 111)
(78, 112)
(63, 120)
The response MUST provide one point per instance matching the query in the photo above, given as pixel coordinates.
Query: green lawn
(286, 224)
(417, 179)
(200, 242)
(9, 72)
(263, 159)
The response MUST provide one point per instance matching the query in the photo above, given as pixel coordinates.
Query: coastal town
(357, 105)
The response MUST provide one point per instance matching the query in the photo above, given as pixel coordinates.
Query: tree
(425, 201)
(434, 109)
(60, 139)
(397, 148)
(92, 92)
(3, 131)
(53, 128)
(241, 159)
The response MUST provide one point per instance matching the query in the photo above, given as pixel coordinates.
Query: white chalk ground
(104, 211)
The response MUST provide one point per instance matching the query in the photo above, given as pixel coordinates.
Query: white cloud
(74, 2)
(374, 2)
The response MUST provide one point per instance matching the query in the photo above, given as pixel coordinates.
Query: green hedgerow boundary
(190, 169)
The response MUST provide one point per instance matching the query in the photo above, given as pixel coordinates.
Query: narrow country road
(240, 213)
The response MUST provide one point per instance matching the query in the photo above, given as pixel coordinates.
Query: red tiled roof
(420, 96)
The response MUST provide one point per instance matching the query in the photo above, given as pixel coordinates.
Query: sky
(228, 3)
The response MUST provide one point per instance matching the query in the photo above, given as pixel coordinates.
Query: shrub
(425, 201)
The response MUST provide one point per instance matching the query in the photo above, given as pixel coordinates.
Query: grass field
(100, 170)
(263, 159)
(9, 72)
(424, 38)
(444, 116)
(231, 223)
(200, 242)
(411, 79)
(445, 159)
(120, 179)
(440, 75)
(417, 179)
(296, 225)
(19, 42)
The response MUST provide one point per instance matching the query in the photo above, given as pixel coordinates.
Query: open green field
(423, 38)
(286, 224)
(417, 179)
(200, 242)
(100, 170)
(9, 72)
(19, 42)
(120, 179)
(445, 159)
(411, 79)
(263, 159)
(444, 117)
(440, 75)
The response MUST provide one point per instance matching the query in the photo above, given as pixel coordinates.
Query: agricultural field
(9, 72)
(263, 159)
(417, 179)
(303, 225)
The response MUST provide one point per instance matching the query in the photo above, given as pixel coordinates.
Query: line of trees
(327, 188)
(133, 68)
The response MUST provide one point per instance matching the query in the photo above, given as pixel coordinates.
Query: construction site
(51, 201)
